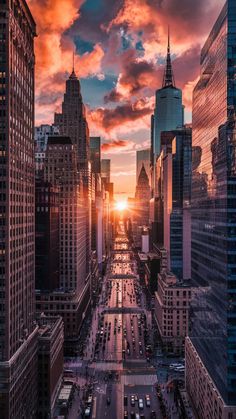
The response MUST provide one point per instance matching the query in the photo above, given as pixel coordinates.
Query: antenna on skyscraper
(73, 63)
(168, 78)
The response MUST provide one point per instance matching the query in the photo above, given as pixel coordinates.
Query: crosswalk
(139, 380)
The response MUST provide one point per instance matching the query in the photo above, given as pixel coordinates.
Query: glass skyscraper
(213, 326)
(168, 114)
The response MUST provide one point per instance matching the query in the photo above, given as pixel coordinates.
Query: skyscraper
(140, 209)
(174, 191)
(143, 158)
(18, 332)
(168, 114)
(61, 170)
(72, 120)
(72, 123)
(211, 347)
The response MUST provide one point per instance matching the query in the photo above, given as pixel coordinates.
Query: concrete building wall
(206, 398)
(172, 301)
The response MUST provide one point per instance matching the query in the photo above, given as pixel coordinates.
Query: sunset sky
(120, 51)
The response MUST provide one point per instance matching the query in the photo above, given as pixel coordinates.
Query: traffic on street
(115, 376)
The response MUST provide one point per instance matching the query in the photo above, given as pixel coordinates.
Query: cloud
(113, 96)
(94, 18)
(115, 144)
(187, 19)
(108, 119)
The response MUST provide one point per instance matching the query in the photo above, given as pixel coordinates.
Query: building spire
(168, 78)
(73, 75)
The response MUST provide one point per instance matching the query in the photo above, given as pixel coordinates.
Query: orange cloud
(121, 115)
(116, 144)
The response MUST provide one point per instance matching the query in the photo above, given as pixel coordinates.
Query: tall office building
(72, 123)
(18, 332)
(168, 113)
(211, 347)
(140, 207)
(72, 120)
(143, 158)
(174, 169)
(61, 170)
(71, 297)
(106, 170)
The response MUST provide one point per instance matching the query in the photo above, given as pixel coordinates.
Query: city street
(116, 358)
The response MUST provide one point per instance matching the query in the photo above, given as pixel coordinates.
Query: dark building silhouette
(142, 197)
(47, 238)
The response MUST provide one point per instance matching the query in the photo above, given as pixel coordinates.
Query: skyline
(117, 303)
(114, 61)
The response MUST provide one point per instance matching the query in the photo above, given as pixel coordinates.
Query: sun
(121, 205)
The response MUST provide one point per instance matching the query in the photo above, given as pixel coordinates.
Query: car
(132, 415)
(140, 403)
(137, 416)
(148, 401)
(90, 400)
(132, 400)
(87, 412)
(179, 369)
(153, 414)
(108, 401)
(125, 400)
(175, 365)
(126, 414)
(136, 397)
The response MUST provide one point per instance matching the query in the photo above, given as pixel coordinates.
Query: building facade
(41, 134)
(61, 170)
(71, 298)
(18, 331)
(47, 236)
(50, 364)
(174, 170)
(172, 301)
(212, 337)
